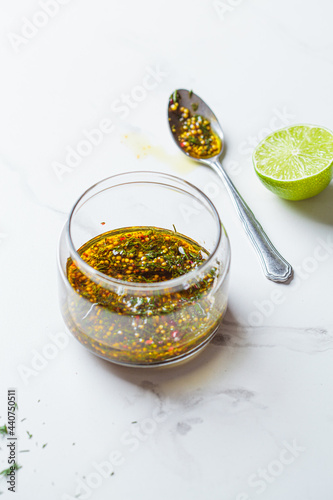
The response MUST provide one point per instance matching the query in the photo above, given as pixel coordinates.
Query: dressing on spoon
(194, 132)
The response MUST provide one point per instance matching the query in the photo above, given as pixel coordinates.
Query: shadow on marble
(318, 208)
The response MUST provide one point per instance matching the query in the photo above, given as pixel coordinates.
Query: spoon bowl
(188, 99)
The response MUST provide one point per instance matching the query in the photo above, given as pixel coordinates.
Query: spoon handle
(275, 267)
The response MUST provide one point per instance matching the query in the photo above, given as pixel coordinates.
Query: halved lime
(295, 162)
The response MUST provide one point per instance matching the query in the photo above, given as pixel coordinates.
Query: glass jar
(145, 324)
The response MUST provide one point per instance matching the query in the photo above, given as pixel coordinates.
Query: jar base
(163, 364)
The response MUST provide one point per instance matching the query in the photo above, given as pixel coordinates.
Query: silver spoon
(275, 267)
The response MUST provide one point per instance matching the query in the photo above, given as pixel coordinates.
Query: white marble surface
(264, 385)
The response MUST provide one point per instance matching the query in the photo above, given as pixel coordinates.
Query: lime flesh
(295, 162)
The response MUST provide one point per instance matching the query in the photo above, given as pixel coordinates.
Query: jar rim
(174, 283)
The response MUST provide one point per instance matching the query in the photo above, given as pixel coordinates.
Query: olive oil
(142, 327)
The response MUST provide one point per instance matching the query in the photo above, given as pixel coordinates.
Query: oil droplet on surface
(142, 149)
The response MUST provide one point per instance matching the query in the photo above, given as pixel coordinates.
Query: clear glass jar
(125, 325)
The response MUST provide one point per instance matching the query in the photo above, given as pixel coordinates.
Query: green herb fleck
(10, 469)
(44, 445)
(175, 96)
(30, 435)
(194, 106)
(193, 140)
(190, 93)
(3, 430)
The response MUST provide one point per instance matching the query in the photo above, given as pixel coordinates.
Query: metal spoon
(274, 266)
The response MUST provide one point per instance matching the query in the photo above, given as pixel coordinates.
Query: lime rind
(299, 190)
